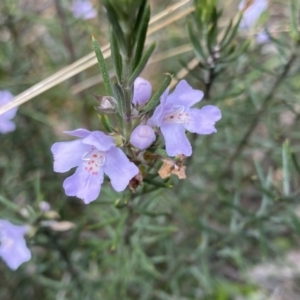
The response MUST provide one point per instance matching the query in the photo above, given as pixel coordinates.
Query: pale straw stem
(84, 63)
(77, 88)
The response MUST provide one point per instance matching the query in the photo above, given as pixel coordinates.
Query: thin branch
(261, 111)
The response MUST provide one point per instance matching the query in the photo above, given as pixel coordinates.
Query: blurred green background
(229, 231)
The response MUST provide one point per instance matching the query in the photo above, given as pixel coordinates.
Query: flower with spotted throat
(174, 115)
(93, 155)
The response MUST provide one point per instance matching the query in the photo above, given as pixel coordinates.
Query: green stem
(127, 91)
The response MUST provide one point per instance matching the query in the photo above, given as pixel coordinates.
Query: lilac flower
(94, 154)
(13, 249)
(262, 37)
(174, 115)
(252, 11)
(83, 9)
(142, 137)
(6, 125)
(142, 90)
(44, 206)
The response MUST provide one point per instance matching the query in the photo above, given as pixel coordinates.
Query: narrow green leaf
(119, 96)
(295, 161)
(295, 222)
(105, 123)
(260, 173)
(119, 229)
(103, 224)
(213, 30)
(267, 195)
(116, 57)
(235, 55)
(141, 36)
(157, 184)
(294, 16)
(144, 262)
(113, 20)
(153, 102)
(285, 168)
(161, 152)
(9, 204)
(227, 31)
(141, 64)
(103, 68)
(196, 43)
(140, 15)
(235, 214)
(231, 35)
(197, 17)
(158, 228)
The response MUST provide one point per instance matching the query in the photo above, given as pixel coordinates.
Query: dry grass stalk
(75, 89)
(87, 61)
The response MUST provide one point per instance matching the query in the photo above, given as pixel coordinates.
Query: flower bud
(142, 137)
(142, 90)
(44, 206)
(107, 104)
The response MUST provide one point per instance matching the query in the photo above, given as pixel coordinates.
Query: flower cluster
(6, 123)
(96, 153)
(13, 249)
(174, 116)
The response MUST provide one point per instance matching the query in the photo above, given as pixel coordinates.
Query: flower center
(93, 161)
(177, 115)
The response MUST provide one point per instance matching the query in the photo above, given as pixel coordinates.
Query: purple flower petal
(119, 169)
(158, 115)
(94, 154)
(5, 98)
(141, 92)
(176, 141)
(6, 125)
(99, 140)
(13, 249)
(262, 37)
(44, 206)
(68, 155)
(12, 230)
(252, 12)
(80, 132)
(184, 95)
(83, 9)
(142, 137)
(84, 185)
(202, 121)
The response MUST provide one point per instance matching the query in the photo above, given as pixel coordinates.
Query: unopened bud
(142, 137)
(44, 206)
(106, 103)
(142, 90)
